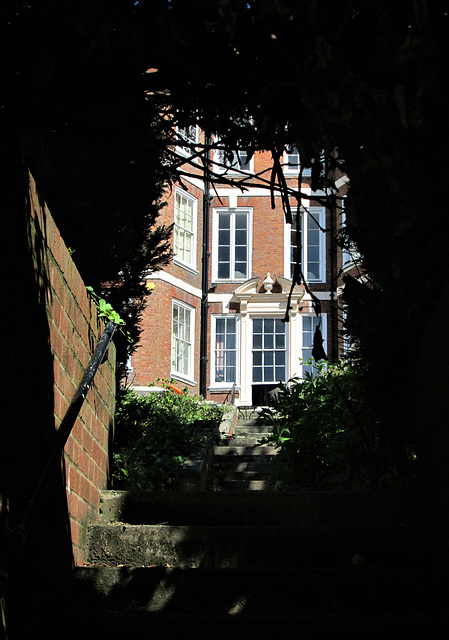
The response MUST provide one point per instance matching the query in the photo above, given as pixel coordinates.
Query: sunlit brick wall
(74, 331)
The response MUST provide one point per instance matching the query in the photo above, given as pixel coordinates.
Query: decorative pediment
(268, 296)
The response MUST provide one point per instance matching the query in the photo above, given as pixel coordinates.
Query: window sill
(222, 386)
(226, 281)
(185, 266)
(184, 380)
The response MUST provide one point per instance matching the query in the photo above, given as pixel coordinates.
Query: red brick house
(216, 313)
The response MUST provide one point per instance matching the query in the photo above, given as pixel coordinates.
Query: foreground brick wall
(74, 331)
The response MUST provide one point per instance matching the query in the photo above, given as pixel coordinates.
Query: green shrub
(158, 433)
(326, 438)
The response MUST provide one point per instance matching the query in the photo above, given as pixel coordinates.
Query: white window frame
(291, 162)
(223, 383)
(350, 256)
(237, 166)
(191, 135)
(215, 216)
(263, 350)
(188, 342)
(179, 193)
(306, 350)
(319, 214)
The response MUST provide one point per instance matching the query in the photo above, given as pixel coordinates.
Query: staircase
(244, 561)
(269, 564)
(241, 463)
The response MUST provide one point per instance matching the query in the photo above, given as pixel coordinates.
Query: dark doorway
(260, 394)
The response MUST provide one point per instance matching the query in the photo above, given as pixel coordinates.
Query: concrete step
(320, 509)
(252, 427)
(244, 441)
(244, 447)
(239, 468)
(246, 484)
(264, 546)
(254, 592)
(245, 463)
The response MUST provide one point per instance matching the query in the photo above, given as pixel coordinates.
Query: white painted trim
(318, 213)
(213, 383)
(189, 378)
(321, 295)
(246, 192)
(176, 282)
(182, 263)
(196, 182)
(215, 213)
(223, 298)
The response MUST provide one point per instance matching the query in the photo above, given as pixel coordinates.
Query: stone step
(244, 447)
(242, 441)
(242, 473)
(277, 508)
(251, 426)
(239, 464)
(254, 592)
(240, 484)
(264, 546)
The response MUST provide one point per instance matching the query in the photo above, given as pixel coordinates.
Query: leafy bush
(158, 433)
(326, 438)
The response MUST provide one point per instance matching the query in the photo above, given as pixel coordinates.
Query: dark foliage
(157, 433)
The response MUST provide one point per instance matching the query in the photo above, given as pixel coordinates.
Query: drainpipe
(333, 256)
(205, 274)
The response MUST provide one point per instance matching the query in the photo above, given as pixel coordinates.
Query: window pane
(223, 270)
(241, 220)
(240, 270)
(268, 325)
(230, 341)
(257, 374)
(224, 237)
(224, 220)
(224, 254)
(240, 254)
(220, 325)
(279, 327)
(279, 374)
(314, 254)
(280, 357)
(313, 271)
(241, 237)
(268, 341)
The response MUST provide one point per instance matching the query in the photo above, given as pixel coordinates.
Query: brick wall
(74, 331)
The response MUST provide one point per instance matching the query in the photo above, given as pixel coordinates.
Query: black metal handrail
(20, 532)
